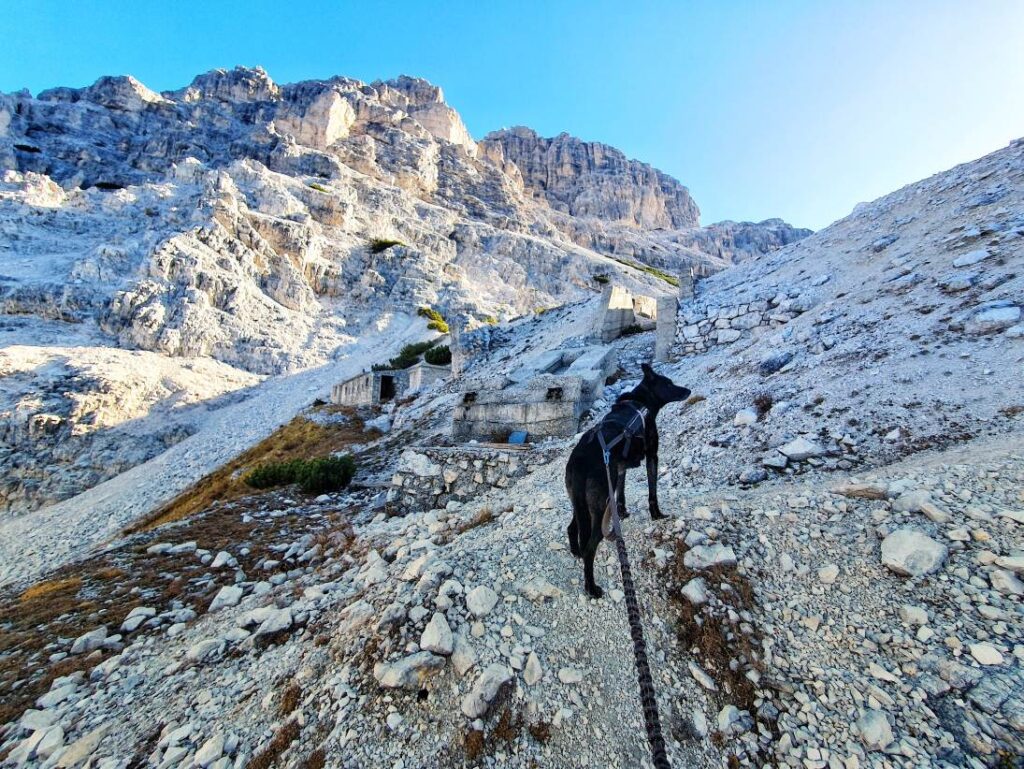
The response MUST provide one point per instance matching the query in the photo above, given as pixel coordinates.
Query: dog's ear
(648, 371)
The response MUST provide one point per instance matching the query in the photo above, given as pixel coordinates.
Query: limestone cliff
(590, 179)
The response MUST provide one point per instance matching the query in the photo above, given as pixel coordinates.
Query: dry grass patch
(316, 759)
(506, 730)
(290, 699)
(711, 638)
(284, 737)
(49, 588)
(483, 516)
(299, 439)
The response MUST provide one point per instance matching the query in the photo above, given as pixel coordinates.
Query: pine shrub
(314, 476)
(438, 356)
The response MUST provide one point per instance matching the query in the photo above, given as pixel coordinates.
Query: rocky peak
(122, 93)
(424, 102)
(240, 84)
(405, 92)
(590, 179)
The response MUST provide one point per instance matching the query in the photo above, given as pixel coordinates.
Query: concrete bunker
(373, 388)
(546, 397)
(622, 312)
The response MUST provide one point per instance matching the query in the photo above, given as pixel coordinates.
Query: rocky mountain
(839, 584)
(246, 228)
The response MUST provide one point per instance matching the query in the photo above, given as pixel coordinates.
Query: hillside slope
(267, 228)
(856, 605)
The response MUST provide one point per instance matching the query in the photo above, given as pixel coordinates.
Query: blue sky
(790, 109)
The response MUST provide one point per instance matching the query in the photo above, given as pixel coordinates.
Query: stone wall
(544, 406)
(430, 478)
(703, 325)
(424, 374)
(665, 330)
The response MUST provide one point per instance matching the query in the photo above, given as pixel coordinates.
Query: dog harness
(633, 427)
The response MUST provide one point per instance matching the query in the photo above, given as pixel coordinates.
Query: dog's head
(661, 388)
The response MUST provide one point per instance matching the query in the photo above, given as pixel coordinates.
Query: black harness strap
(612, 528)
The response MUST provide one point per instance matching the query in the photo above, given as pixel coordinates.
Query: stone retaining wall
(703, 325)
(430, 478)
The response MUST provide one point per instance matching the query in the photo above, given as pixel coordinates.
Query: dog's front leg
(620, 491)
(652, 477)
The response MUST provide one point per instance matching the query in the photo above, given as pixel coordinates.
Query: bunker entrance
(387, 388)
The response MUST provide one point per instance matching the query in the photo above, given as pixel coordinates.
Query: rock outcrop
(590, 179)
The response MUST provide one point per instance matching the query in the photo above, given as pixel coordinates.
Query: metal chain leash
(648, 698)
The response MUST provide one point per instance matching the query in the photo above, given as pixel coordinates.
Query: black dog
(585, 476)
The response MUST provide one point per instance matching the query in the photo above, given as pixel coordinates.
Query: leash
(612, 529)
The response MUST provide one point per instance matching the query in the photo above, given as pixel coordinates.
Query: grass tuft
(317, 759)
(49, 588)
(763, 403)
(435, 319)
(380, 245)
(672, 280)
(284, 737)
(290, 699)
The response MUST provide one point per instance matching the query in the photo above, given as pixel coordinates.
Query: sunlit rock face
(590, 179)
(264, 226)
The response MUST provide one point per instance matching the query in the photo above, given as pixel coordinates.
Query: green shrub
(378, 245)
(314, 476)
(318, 187)
(272, 474)
(406, 357)
(436, 320)
(602, 278)
(672, 280)
(326, 474)
(438, 356)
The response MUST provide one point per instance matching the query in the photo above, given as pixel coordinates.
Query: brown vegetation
(316, 759)
(103, 589)
(712, 639)
(763, 403)
(290, 699)
(483, 516)
(284, 737)
(300, 438)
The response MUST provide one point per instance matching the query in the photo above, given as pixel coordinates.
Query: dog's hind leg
(652, 477)
(579, 526)
(574, 537)
(589, 551)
